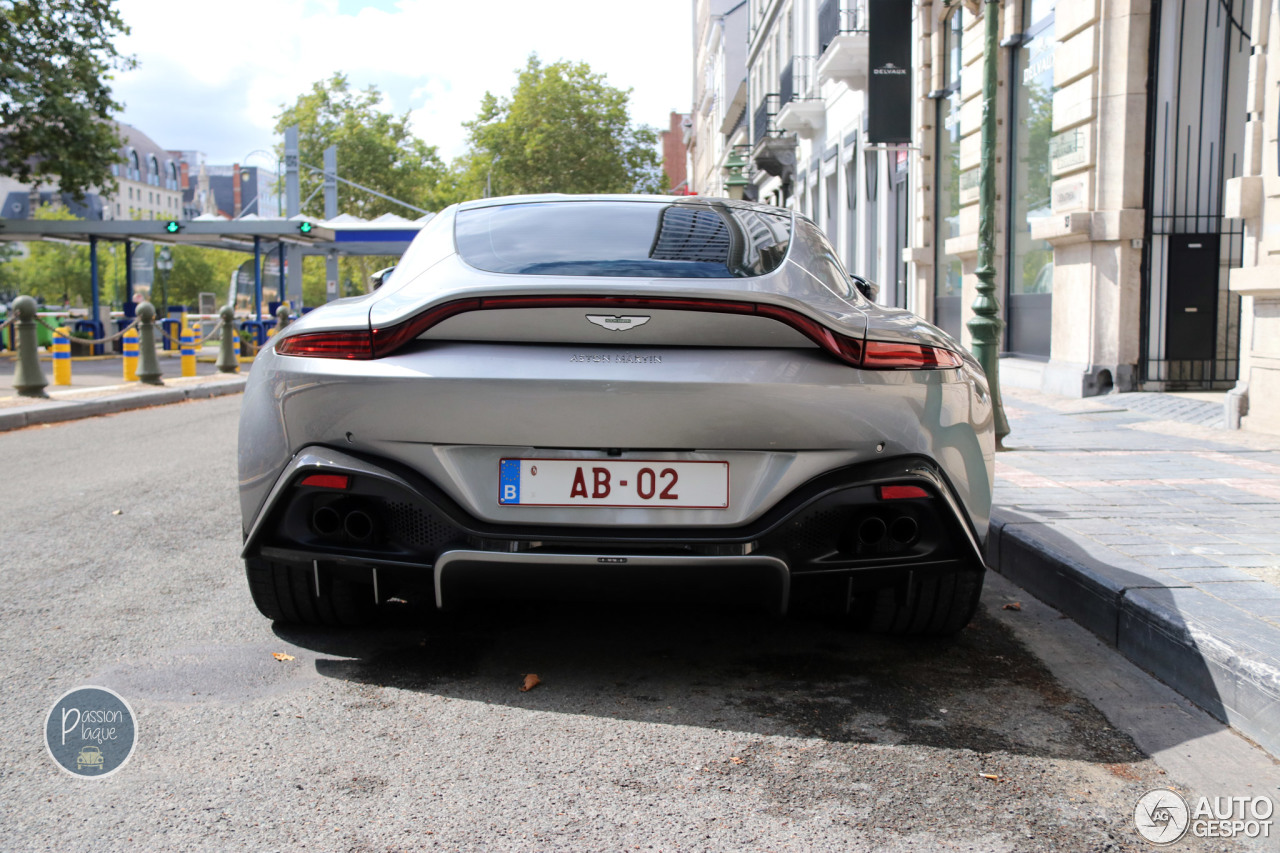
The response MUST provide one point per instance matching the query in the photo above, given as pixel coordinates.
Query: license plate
(613, 482)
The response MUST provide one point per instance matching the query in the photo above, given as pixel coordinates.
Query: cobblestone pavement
(1151, 489)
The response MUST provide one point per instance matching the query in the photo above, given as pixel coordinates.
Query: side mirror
(868, 289)
(377, 279)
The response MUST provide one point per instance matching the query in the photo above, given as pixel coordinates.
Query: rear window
(615, 238)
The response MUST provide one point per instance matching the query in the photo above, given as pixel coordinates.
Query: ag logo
(90, 732)
(1162, 816)
(614, 323)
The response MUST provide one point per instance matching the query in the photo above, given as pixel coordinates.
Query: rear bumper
(833, 524)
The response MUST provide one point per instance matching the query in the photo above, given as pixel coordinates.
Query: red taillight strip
(875, 355)
(353, 345)
(881, 355)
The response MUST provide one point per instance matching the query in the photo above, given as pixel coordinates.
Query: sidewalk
(98, 389)
(1160, 533)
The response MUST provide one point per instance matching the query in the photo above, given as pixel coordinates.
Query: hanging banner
(143, 260)
(889, 84)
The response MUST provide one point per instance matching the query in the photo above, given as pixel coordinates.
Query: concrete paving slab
(1176, 559)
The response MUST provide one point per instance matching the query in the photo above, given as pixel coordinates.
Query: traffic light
(305, 227)
(172, 227)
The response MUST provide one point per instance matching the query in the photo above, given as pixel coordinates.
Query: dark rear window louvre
(623, 239)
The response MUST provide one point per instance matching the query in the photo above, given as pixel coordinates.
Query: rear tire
(286, 592)
(930, 606)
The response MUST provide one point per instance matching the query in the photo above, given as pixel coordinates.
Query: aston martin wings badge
(615, 323)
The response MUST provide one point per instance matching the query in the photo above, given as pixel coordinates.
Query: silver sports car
(610, 386)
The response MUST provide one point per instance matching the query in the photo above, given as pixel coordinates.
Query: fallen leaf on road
(993, 777)
(117, 512)
(281, 656)
(530, 681)
(1012, 605)
(735, 759)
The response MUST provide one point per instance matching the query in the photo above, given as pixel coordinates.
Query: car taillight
(881, 355)
(353, 345)
(380, 342)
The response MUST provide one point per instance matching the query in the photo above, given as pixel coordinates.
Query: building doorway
(1195, 130)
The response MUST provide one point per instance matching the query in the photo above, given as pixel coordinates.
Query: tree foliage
(55, 94)
(563, 129)
(375, 149)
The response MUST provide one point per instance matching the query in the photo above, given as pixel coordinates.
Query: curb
(1216, 655)
(56, 411)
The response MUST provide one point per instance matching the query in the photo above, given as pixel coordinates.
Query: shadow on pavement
(699, 665)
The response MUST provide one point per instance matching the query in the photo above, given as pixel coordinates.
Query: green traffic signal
(305, 227)
(172, 227)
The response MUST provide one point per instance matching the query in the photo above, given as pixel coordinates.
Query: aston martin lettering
(617, 324)
(612, 358)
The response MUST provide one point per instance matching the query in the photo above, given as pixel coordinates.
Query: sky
(212, 77)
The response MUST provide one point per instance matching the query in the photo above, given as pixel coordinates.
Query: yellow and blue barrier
(61, 356)
(188, 348)
(129, 348)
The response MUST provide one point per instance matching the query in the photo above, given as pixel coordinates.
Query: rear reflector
(327, 481)
(894, 493)
(380, 342)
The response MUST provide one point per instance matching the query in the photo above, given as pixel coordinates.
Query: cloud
(214, 78)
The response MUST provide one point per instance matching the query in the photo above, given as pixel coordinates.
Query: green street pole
(985, 325)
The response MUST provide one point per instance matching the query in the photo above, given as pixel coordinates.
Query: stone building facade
(1135, 155)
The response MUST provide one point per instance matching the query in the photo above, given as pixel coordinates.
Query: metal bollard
(188, 340)
(282, 319)
(227, 345)
(148, 364)
(28, 378)
(129, 349)
(61, 356)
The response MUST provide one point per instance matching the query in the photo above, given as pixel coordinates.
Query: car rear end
(523, 406)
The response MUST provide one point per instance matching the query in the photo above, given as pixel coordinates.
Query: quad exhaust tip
(358, 525)
(326, 521)
(901, 531)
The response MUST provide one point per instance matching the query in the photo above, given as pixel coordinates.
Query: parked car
(609, 383)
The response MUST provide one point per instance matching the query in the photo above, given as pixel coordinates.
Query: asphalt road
(655, 727)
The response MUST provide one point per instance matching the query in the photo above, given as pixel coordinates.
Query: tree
(375, 149)
(564, 129)
(55, 92)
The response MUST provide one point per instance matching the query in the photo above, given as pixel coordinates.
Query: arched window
(135, 166)
(153, 171)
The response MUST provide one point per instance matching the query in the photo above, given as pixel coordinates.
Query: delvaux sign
(889, 83)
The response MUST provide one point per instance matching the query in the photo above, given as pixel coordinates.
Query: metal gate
(1195, 142)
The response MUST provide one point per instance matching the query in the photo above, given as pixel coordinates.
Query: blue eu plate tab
(509, 481)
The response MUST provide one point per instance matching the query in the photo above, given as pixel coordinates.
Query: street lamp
(736, 182)
(164, 263)
(256, 200)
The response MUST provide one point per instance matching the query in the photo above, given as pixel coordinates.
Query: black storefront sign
(889, 86)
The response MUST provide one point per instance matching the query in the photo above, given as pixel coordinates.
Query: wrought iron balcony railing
(840, 17)
(797, 81)
(762, 124)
